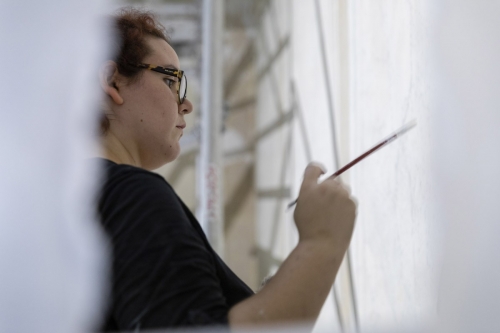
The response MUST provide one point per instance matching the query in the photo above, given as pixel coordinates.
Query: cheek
(169, 117)
(160, 109)
(157, 112)
(164, 105)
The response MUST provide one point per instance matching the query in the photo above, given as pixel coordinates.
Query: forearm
(297, 291)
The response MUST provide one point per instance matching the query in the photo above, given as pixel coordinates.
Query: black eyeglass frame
(179, 74)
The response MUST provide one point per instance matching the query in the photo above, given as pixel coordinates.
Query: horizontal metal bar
(279, 193)
(282, 120)
(245, 61)
(242, 104)
(282, 45)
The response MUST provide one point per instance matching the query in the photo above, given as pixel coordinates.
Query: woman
(165, 274)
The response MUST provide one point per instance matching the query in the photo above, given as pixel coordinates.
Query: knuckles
(333, 189)
(332, 193)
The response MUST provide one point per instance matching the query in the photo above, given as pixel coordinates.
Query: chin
(172, 154)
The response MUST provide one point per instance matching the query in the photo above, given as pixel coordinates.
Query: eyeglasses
(181, 78)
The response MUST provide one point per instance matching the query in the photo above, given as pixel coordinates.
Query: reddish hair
(131, 28)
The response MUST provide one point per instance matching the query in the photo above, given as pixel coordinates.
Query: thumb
(312, 173)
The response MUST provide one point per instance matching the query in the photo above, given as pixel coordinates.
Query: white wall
(394, 247)
(378, 66)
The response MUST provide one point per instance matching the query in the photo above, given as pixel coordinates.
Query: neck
(115, 150)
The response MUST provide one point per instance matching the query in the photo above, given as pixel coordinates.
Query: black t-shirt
(165, 273)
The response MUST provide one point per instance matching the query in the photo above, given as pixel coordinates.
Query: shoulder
(131, 193)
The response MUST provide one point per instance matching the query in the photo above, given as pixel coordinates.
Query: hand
(324, 211)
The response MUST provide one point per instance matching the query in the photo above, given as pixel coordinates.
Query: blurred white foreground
(52, 254)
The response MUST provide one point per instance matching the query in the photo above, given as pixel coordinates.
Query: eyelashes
(170, 83)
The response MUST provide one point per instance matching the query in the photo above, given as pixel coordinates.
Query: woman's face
(152, 121)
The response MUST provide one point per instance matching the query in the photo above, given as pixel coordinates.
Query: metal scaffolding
(210, 163)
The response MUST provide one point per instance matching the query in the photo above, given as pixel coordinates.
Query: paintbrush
(385, 142)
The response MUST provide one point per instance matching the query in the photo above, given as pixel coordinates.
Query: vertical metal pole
(209, 190)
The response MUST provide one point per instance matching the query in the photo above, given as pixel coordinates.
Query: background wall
(395, 244)
(376, 59)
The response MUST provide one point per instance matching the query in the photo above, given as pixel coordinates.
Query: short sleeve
(163, 274)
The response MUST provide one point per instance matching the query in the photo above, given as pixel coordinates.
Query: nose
(186, 107)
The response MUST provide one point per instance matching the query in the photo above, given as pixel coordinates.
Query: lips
(181, 126)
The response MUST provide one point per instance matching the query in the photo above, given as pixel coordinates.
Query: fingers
(337, 188)
(312, 173)
(325, 210)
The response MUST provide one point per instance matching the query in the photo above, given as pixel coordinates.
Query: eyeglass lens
(183, 88)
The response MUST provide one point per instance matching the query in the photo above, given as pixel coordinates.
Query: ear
(108, 78)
